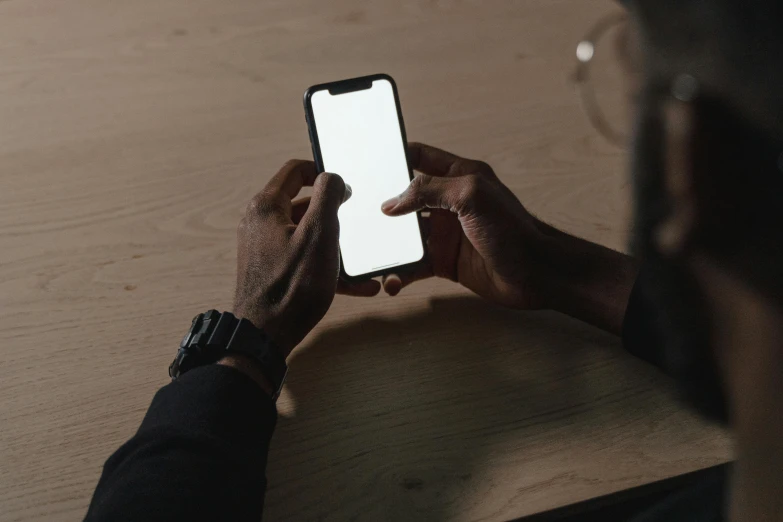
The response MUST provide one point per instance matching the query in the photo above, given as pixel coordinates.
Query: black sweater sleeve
(200, 454)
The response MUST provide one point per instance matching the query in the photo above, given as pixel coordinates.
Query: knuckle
(330, 179)
(468, 166)
(260, 204)
(421, 183)
(415, 185)
(459, 167)
(293, 164)
(416, 189)
(419, 200)
(253, 205)
(330, 183)
(481, 167)
(471, 187)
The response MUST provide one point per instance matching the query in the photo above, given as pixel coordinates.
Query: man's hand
(479, 234)
(288, 260)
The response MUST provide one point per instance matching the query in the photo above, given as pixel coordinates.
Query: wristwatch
(213, 335)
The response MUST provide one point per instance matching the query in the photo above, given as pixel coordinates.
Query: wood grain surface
(131, 136)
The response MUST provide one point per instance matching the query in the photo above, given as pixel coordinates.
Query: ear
(676, 231)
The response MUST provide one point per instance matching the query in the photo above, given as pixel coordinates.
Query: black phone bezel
(353, 85)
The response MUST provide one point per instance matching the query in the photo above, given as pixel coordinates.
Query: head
(708, 170)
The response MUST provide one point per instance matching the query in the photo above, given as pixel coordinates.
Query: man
(706, 305)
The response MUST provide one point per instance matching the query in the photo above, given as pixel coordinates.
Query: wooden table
(131, 136)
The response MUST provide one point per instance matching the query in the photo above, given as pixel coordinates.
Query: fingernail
(348, 193)
(390, 204)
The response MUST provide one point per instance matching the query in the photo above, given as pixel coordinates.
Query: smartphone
(356, 131)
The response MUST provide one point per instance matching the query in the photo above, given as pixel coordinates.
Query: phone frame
(343, 87)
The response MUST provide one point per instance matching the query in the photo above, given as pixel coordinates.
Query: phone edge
(318, 158)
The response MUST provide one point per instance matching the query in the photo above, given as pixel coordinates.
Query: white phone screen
(360, 139)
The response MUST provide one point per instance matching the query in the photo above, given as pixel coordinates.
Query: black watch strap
(213, 335)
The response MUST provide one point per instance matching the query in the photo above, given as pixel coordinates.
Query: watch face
(174, 367)
(194, 327)
(186, 339)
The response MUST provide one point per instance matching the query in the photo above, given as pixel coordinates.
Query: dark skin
(477, 230)
(478, 235)
(481, 236)
(288, 260)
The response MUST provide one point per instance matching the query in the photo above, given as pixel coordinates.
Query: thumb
(329, 192)
(431, 192)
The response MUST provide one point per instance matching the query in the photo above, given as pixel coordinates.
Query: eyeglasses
(604, 66)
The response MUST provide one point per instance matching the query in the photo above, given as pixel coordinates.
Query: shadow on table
(397, 419)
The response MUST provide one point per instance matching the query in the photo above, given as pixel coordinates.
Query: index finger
(432, 160)
(290, 179)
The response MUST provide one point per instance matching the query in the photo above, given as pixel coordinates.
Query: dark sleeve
(641, 335)
(200, 453)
